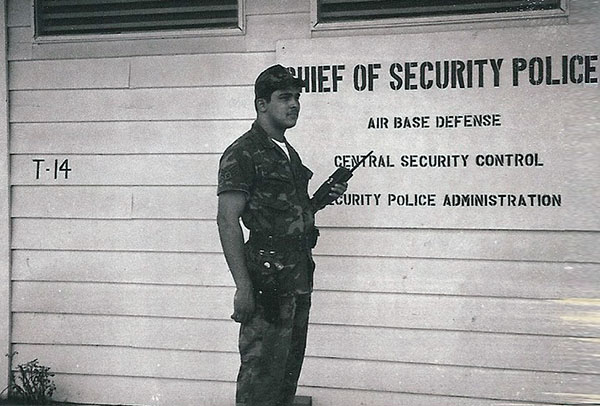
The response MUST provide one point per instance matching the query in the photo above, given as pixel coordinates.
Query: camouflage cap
(274, 78)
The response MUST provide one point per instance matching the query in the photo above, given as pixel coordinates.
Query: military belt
(284, 243)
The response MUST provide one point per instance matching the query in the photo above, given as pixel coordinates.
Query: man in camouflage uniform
(263, 181)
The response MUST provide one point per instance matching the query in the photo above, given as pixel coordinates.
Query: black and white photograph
(300, 202)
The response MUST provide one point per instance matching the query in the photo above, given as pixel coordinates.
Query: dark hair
(274, 78)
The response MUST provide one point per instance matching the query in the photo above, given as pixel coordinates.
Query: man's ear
(261, 104)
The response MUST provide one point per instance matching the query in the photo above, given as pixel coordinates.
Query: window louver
(352, 10)
(64, 17)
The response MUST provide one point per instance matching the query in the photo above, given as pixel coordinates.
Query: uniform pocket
(307, 173)
(276, 204)
(274, 172)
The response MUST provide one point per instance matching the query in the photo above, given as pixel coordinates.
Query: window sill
(403, 24)
(217, 32)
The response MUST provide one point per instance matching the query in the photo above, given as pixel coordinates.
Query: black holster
(263, 274)
(262, 253)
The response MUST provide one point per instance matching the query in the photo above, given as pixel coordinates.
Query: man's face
(283, 109)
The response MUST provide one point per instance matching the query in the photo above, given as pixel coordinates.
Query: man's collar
(261, 135)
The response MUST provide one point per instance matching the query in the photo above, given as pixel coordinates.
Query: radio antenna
(359, 163)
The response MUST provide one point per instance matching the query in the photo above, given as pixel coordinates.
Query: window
(81, 17)
(412, 11)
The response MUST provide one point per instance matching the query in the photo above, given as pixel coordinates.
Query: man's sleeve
(236, 171)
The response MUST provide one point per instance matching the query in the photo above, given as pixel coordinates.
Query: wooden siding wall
(119, 285)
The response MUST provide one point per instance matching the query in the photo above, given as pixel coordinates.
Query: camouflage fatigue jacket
(277, 204)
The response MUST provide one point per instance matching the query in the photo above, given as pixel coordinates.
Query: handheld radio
(341, 174)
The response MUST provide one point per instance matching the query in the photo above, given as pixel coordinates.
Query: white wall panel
(128, 235)
(144, 390)
(344, 308)
(141, 362)
(134, 104)
(397, 377)
(458, 277)
(455, 381)
(170, 45)
(72, 202)
(71, 74)
(334, 396)
(164, 137)
(475, 244)
(540, 280)
(197, 202)
(531, 352)
(552, 317)
(126, 331)
(158, 169)
(190, 393)
(199, 70)
(126, 299)
(188, 235)
(208, 269)
(176, 202)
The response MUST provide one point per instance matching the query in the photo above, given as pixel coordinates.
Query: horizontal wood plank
(459, 277)
(126, 331)
(193, 202)
(122, 267)
(201, 236)
(549, 317)
(71, 202)
(176, 202)
(71, 74)
(199, 70)
(475, 244)
(156, 363)
(454, 381)
(370, 375)
(136, 235)
(128, 137)
(530, 352)
(180, 169)
(504, 351)
(540, 280)
(457, 313)
(132, 104)
(137, 390)
(334, 396)
(134, 300)
(112, 202)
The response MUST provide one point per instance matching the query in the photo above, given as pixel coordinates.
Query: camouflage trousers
(272, 354)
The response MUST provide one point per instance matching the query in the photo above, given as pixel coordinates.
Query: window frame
(160, 34)
(561, 13)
